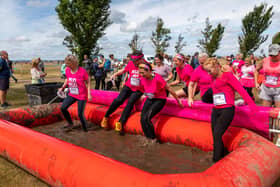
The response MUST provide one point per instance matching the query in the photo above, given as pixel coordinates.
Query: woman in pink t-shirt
(202, 79)
(154, 87)
(130, 90)
(78, 83)
(184, 72)
(224, 88)
(247, 76)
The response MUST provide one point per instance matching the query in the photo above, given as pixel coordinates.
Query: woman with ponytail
(184, 72)
(224, 87)
(154, 87)
(131, 90)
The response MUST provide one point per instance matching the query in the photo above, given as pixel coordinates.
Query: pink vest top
(271, 73)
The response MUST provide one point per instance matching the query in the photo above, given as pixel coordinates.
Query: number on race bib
(135, 81)
(74, 91)
(219, 99)
(272, 80)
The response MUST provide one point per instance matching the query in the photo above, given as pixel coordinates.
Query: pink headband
(145, 66)
(136, 57)
(179, 56)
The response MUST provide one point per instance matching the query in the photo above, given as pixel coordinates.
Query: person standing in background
(41, 65)
(4, 78)
(10, 64)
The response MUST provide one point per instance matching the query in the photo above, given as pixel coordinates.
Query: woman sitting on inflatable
(154, 87)
(131, 90)
(224, 88)
(184, 72)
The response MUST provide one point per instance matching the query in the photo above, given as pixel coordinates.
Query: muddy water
(129, 149)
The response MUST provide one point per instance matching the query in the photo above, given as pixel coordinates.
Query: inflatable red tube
(253, 160)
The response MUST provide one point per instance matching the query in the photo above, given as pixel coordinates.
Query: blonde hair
(214, 61)
(34, 62)
(71, 58)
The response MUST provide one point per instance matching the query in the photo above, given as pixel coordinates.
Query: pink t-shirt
(133, 82)
(76, 83)
(247, 72)
(224, 89)
(203, 78)
(185, 73)
(239, 64)
(154, 88)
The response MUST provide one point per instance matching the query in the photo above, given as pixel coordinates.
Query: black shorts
(4, 84)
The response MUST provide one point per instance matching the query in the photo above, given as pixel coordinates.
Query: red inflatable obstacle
(253, 160)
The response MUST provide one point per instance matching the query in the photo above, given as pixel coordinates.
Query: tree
(86, 20)
(135, 43)
(210, 42)
(160, 38)
(276, 38)
(253, 25)
(180, 44)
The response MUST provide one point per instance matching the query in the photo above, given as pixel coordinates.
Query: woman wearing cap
(78, 82)
(131, 90)
(154, 87)
(224, 88)
(201, 78)
(184, 72)
(270, 89)
(36, 74)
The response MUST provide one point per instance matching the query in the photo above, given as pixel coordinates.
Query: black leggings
(125, 93)
(220, 121)
(97, 82)
(249, 91)
(207, 96)
(68, 101)
(150, 109)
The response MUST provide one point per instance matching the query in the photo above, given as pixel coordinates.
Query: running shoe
(104, 123)
(118, 126)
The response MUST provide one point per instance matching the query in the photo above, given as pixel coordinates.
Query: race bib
(135, 81)
(272, 80)
(219, 99)
(236, 63)
(150, 95)
(74, 91)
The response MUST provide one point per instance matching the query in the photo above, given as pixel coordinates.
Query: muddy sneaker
(68, 127)
(118, 126)
(104, 123)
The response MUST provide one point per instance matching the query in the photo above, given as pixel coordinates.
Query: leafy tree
(135, 43)
(276, 38)
(253, 25)
(86, 20)
(160, 37)
(211, 39)
(180, 44)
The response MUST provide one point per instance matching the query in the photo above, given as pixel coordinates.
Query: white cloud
(38, 3)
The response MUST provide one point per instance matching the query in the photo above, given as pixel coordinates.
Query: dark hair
(137, 53)
(101, 56)
(148, 64)
(159, 56)
(111, 55)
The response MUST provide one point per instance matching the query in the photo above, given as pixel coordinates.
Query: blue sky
(31, 28)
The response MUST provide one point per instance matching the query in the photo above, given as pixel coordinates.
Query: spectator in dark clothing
(10, 64)
(4, 78)
(87, 63)
(98, 70)
(194, 61)
(102, 63)
(41, 65)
